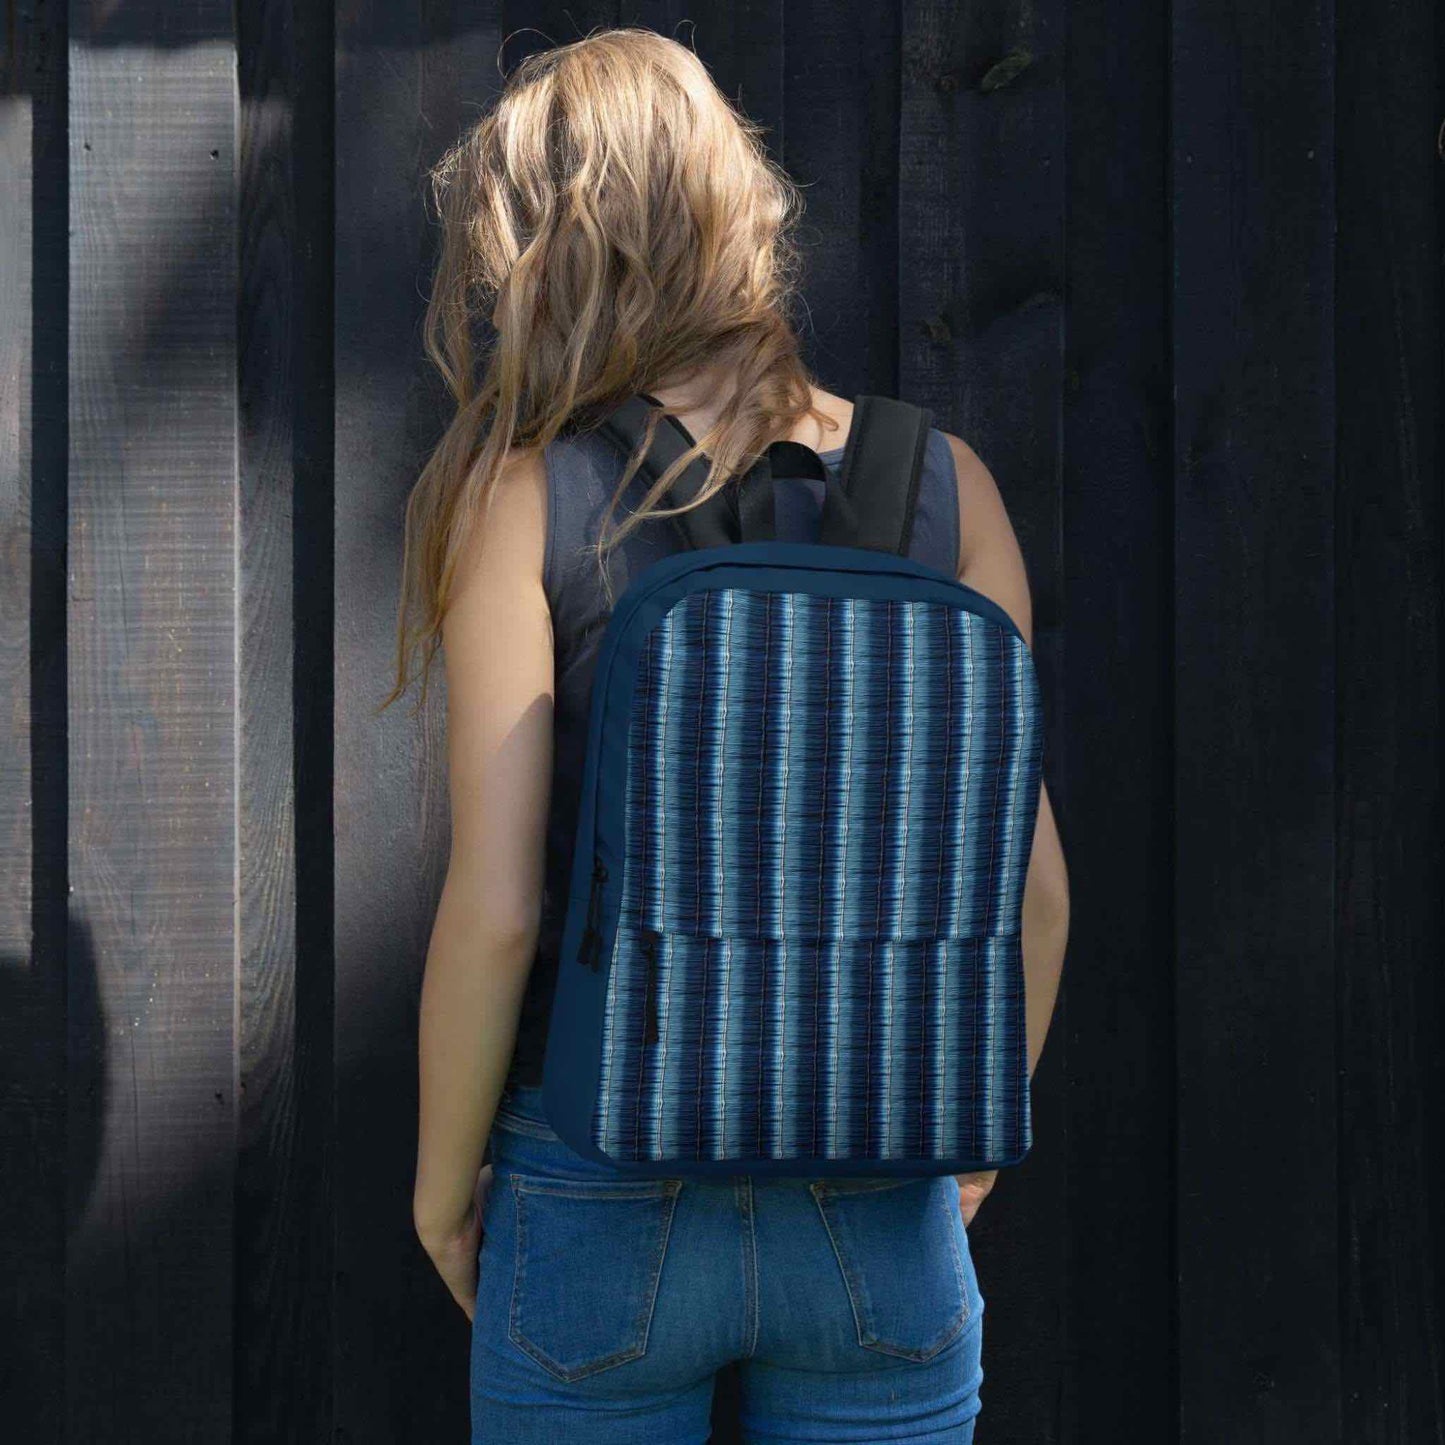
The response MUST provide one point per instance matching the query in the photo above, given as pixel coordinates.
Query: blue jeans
(607, 1302)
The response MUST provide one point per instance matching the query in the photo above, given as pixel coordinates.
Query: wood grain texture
(153, 706)
(1116, 813)
(1389, 936)
(1175, 277)
(31, 1004)
(408, 78)
(1256, 765)
(33, 823)
(285, 1014)
(839, 142)
(15, 535)
(979, 339)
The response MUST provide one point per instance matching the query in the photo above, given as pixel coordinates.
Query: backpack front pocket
(589, 1255)
(812, 1049)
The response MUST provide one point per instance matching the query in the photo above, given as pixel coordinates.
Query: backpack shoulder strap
(715, 521)
(882, 464)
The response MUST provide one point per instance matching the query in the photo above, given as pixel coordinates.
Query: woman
(618, 228)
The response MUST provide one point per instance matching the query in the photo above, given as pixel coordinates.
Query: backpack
(792, 933)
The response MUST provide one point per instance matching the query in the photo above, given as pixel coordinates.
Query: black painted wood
(1175, 279)
(34, 1162)
(1256, 748)
(284, 1200)
(1116, 746)
(408, 77)
(1389, 940)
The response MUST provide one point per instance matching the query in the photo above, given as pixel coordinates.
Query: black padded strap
(709, 525)
(882, 463)
(754, 500)
(737, 511)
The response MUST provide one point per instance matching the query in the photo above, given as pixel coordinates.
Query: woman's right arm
(498, 658)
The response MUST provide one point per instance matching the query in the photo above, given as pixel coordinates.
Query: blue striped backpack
(792, 937)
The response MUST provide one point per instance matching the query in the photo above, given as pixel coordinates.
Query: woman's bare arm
(497, 645)
(990, 562)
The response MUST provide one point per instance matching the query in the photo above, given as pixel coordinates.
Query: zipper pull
(650, 937)
(590, 952)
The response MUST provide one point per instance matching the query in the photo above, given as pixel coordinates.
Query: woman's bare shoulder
(989, 558)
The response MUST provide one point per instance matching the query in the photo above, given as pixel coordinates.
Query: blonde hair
(613, 221)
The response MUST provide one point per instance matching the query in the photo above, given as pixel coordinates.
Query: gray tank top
(582, 472)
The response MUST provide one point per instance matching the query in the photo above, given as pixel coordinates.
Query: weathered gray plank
(15, 537)
(152, 690)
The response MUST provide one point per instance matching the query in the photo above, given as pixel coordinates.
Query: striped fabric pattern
(829, 805)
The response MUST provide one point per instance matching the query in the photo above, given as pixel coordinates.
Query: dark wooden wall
(1174, 273)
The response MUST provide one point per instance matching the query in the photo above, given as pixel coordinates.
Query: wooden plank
(32, 813)
(840, 134)
(980, 342)
(33, 878)
(408, 78)
(15, 537)
(1117, 820)
(527, 28)
(1252, 121)
(152, 692)
(285, 1208)
(1388, 918)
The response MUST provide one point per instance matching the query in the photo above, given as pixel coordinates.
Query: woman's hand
(454, 1251)
(972, 1191)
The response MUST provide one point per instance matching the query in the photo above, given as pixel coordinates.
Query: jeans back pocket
(589, 1256)
(897, 1242)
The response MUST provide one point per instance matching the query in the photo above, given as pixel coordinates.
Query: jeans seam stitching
(967, 1312)
(583, 1188)
(659, 1255)
(858, 1330)
(753, 1250)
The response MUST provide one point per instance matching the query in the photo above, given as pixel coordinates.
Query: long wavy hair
(613, 221)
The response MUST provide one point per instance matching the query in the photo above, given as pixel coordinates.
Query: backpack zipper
(589, 954)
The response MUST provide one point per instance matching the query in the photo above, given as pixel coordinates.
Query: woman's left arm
(497, 646)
